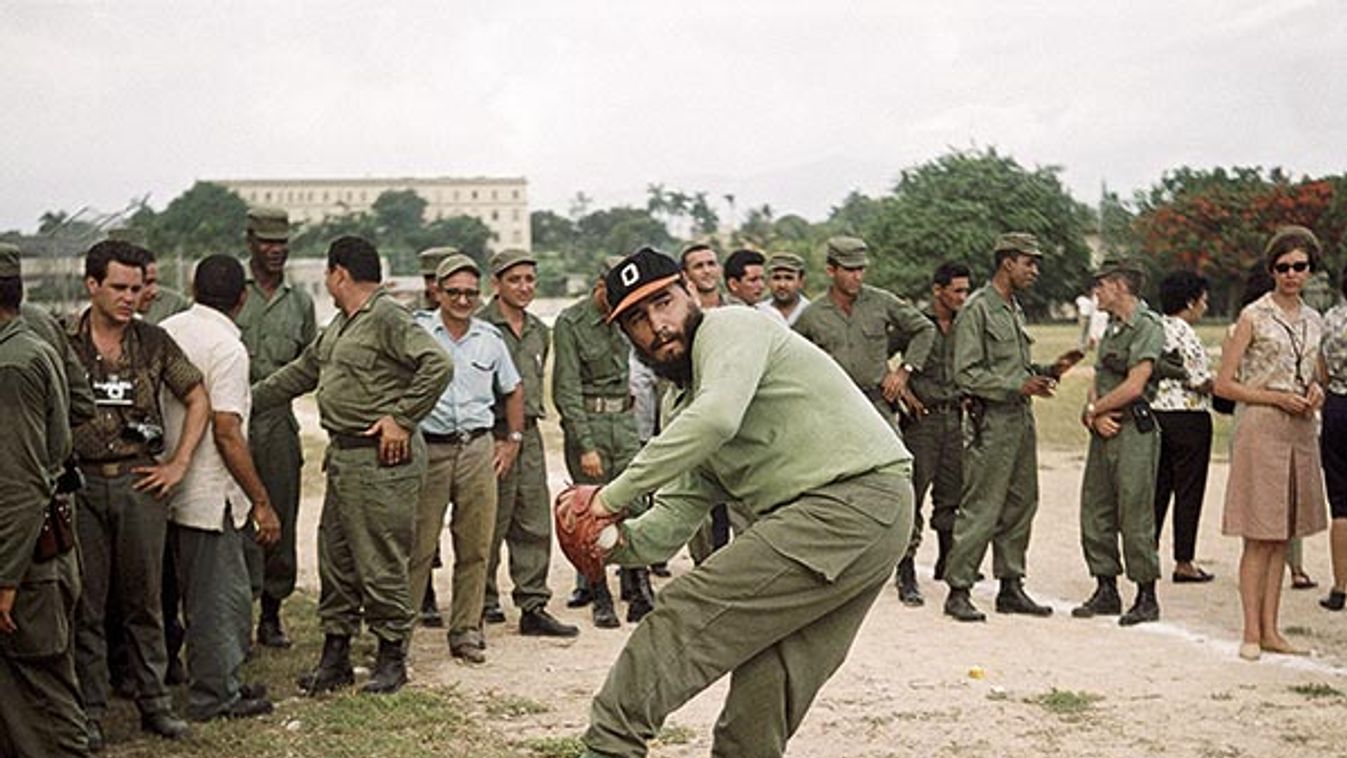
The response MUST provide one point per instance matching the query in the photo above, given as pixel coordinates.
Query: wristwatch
(515, 436)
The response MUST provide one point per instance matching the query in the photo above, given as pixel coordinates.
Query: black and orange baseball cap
(638, 276)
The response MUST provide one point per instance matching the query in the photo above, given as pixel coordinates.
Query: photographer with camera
(122, 523)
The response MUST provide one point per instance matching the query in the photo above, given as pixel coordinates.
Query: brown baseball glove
(578, 529)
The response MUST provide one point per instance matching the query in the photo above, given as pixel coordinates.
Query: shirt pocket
(1002, 342)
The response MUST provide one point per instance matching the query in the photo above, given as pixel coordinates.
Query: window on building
(518, 237)
(515, 194)
(474, 194)
(495, 215)
(268, 197)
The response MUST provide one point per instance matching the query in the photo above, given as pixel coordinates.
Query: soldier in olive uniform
(40, 709)
(523, 515)
(590, 389)
(860, 327)
(932, 428)
(158, 302)
(277, 322)
(993, 370)
(377, 375)
(1117, 496)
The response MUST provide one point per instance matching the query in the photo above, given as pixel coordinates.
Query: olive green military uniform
(779, 607)
(860, 341)
(40, 706)
(49, 329)
(999, 495)
(372, 363)
(275, 330)
(936, 438)
(168, 302)
(591, 391)
(523, 515)
(1117, 495)
(121, 529)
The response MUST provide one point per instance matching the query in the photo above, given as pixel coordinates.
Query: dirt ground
(919, 684)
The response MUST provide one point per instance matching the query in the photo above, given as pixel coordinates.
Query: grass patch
(1316, 690)
(555, 747)
(1066, 702)
(674, 734)
(418, 721)
(1299, 631)
(513, 706)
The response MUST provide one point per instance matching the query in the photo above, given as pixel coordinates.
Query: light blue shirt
(482, 368)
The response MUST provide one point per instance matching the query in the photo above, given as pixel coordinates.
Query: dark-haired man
(932, 429)
(276, 323)
(1117, 494)
(377, 375)
(220, 493)
(701, 267)
(121, 525)
(158, 301)
(779, 607)
(40, 710)
(743, 276)
(995, 373)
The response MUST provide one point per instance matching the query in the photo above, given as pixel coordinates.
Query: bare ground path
(910, 686)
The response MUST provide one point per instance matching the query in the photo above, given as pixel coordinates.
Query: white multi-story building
(500, 203)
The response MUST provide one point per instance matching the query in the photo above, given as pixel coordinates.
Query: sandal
(1302, 581)
(1194, 578)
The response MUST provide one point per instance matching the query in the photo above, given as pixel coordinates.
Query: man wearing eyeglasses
(464, 459)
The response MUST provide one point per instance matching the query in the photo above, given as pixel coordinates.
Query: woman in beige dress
(1275, 491)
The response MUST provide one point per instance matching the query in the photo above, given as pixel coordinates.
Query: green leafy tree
(953, 208)
(205, 219)
(552, 231)
(468, 234)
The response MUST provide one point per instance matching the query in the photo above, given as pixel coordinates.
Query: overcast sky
(788, 103)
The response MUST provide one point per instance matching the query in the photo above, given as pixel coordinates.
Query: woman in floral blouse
(1181, 405)
(1269, 367)
(1333, 442)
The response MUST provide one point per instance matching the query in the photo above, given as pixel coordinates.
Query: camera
(145, 433)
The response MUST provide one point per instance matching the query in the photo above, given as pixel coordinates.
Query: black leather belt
(454, 438)
(943, 406)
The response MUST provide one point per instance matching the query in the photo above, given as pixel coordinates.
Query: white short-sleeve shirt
(211, 342)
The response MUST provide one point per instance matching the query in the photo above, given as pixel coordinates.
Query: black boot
(1146, 608)
(960, 606)
(164, 724)
(269, 630)
(604, 616)
(945, 538)
(642, 599)
(906, 579)
(429, 615)
(1335, 601)
(624, 591)
(390, 669)
(1104, 602)
(539, 623)
(334, 667)
(581, 595)
(1013, 599)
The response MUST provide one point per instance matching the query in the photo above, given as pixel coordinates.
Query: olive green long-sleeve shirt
(275, 330)
(1125, 344)
(591, 360)
(750, 428)
(860, 342)
(529, 353)
(375, 362)
(992, 357)
(37, 439)
(49, 329)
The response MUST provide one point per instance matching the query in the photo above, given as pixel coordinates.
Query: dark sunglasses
(455, 294)
(1286, 268)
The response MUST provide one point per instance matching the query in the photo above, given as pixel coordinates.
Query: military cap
(506, 259)
(456, 262)
(638, 276)
(127, 234)
(430, 258)
(789, 261)
(1018, 242)
(1117, 264)
(847, 252)
(269, 223)
(9, 261)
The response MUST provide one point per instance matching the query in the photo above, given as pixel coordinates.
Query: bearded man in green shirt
(829, 485)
